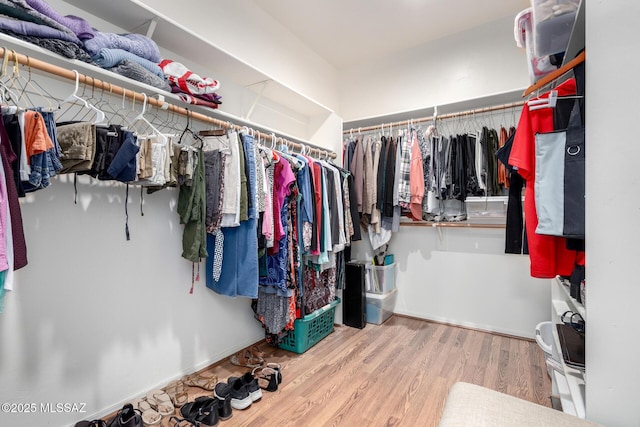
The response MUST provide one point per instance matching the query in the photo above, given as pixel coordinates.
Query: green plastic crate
(309, 330)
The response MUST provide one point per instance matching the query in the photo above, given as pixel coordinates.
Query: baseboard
(469, 326)
(215, 361)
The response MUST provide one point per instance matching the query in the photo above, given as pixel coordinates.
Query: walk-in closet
(363, 213)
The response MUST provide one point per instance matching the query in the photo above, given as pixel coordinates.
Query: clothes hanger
(141, 119)
(188, 131)
(73, 98)
(6, 94)
(33, 85)
(549, 102)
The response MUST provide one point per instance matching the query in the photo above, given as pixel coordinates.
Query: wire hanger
(6, 94)
(29, 83)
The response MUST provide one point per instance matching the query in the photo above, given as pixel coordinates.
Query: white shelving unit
(135, 16)
(570, 384)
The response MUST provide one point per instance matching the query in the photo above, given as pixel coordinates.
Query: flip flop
(161, 402)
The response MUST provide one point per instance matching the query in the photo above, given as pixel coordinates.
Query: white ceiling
(347, 32)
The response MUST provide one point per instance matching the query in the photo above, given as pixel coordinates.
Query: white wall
(99, 320)
(248, 32)
(613, 213)
(471, 64)
(463, 277)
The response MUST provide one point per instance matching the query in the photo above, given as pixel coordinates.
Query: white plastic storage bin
(380, 307)
(553, 21)
(544, 338)
(380, 279)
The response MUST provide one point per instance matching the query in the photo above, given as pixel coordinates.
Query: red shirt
(548, 254)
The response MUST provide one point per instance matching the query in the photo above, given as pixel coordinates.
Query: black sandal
(204, 410)
(268, 375)
(276, 367)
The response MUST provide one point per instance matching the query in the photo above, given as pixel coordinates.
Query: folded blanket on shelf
(21, 10)
(137, 44)
(79, 26)
(61, 47)
(189, 99)
(108, 58)
(137, 72)
(37, 30)
(209, 97)
(185, 79)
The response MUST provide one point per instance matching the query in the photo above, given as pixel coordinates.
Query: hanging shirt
(369, 183)
(267, 217)
(404, 173)
(375, 209)
(228, 145)
(357, 170)
(416, 179)
(283, 177)
(548, 254)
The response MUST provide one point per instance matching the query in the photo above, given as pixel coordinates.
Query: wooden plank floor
(398, 373)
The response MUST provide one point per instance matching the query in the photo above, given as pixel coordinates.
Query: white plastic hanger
(549, 102)
(100, 116)
(141, 118)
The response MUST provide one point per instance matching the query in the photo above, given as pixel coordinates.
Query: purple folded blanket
(26, 28)
(79, 26)
(137, 44)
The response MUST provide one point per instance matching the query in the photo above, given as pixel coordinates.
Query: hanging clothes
(548, 254)
(192, 211)
(237, 246)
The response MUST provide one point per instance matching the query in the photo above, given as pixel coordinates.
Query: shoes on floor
(161, 402)
(203, 410)
(267, 378)
(240, 398)
(150, 416)
(276, 367)
(204, 380)
(223, 393)
(92, 423)
(126, 417)
(182, 422)
(251, 384)
(247, 359)
(177, 391)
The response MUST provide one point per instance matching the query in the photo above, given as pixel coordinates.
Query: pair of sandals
(204, 380)
(177, 391)
(268, 376)
(156, 405)
(251, 357)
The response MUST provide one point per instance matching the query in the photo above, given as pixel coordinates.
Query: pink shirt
(283, 177)
(416, 180)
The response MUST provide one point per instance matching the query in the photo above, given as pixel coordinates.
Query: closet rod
(549, 78)
(452, 225)
(439, 116)
(117, 90)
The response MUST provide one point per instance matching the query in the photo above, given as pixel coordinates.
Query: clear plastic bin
(553, 21)
(380, 279)
(380, 307)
